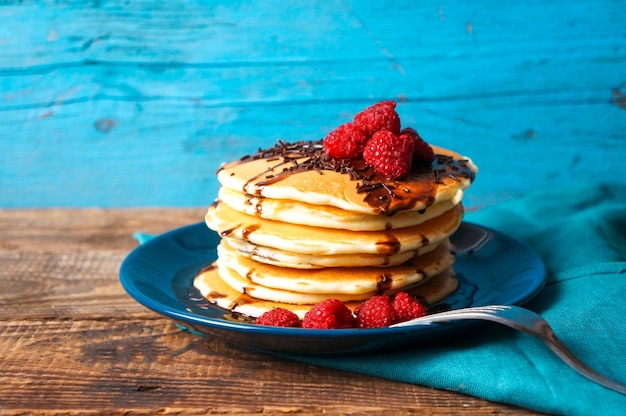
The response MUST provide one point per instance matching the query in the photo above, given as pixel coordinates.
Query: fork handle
(545, 333)
(539, 329)
(528, 322)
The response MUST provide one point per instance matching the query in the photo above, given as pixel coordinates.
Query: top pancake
(302, 172)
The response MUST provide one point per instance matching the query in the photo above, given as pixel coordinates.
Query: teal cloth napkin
(581, 235)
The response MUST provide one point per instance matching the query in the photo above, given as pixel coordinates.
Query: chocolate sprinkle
(380, 193)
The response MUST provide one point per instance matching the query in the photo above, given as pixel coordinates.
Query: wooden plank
(52, 231)
(136, 105)
(178, 167)
(236, 32)
(72, 342)
(64, 264)
(145, 366)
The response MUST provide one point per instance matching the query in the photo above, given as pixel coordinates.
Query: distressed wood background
(127, 104)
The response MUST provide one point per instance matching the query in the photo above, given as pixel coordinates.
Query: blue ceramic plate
(494, 269)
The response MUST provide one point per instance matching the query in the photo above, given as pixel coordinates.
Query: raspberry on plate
(345, 142)
(389, 154)
(381, 116)
(279, 317)
(329, 314)
(422, 152)
(407, 307)
(376, 312)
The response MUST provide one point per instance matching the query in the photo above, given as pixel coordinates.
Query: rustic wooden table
(73, 342)
(127, 105)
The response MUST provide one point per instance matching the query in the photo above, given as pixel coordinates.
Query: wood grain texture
(112, 104)
(72, 342)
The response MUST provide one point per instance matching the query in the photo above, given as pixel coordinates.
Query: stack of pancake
(299, 227)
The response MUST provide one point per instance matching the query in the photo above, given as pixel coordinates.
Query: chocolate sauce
(421, 272)
(383, 195)
(229, 231)
(384, 283)
(243, 299)
(215, 295)
(389, 246)
(208, 268)
(249, 230)
(258, 208)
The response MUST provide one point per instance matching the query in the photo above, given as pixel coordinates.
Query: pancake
(299, 226)
(301, 172)
(216, 291)
(297, 212)
(305, 239)
(297, 286)
(315, 261)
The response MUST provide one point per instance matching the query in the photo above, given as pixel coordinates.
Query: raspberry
(345, 142)
(422, 152)
(389, 154)
(407, 307)
(376, 312)
(381, 116)
(329, 314)
(386, 103)
(279, 317)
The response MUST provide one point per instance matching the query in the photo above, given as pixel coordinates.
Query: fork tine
(476, 309)
(464, 313)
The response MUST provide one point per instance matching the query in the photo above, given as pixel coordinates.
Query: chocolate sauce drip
(229, 231)
(384, 283)
(250, 274)
(243, 299)
(384, 195)
(249, 230)
(389, 246)
(258, 205)
(216, 295)
(208, 268)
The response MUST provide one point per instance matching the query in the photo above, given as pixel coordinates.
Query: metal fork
(523, 320)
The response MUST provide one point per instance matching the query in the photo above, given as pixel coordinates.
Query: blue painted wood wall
(124, 104)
